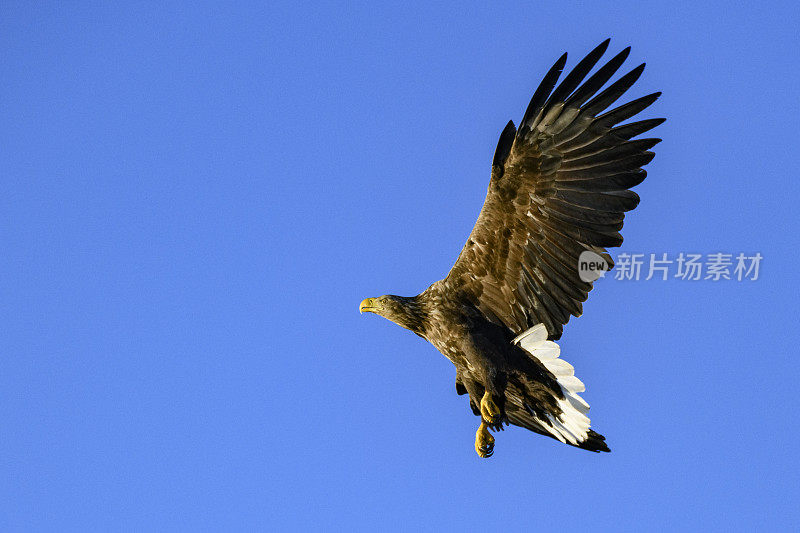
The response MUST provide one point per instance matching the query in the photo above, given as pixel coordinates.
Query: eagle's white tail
(572, 425)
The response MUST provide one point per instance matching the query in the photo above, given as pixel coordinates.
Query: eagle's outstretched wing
(560, 186)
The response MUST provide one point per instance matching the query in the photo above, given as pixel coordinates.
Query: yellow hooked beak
(368, 304)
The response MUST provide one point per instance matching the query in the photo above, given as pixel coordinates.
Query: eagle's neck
(412, 314)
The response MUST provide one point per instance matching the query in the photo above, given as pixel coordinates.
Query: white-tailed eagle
(560, 186)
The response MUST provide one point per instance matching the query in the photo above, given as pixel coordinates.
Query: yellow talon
(484, 442)
(489, 410)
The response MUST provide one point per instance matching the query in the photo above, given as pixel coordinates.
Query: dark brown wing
(559, 187)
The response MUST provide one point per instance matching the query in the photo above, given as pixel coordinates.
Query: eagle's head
(403, 311)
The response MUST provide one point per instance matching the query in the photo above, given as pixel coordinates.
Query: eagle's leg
(489, 410)
(484, 442)
(480, 354)
(472, 388)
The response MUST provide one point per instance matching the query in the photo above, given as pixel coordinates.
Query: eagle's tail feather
(595, 442)
(571, 425)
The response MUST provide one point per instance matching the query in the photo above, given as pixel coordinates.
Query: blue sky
(196, 200)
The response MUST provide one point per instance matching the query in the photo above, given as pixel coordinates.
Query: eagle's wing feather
(559, 187)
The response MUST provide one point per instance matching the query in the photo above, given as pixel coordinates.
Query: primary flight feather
(560, 187)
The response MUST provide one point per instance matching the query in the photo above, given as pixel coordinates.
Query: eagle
(559, 188)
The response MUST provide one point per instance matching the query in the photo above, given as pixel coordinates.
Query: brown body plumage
(559, 187)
